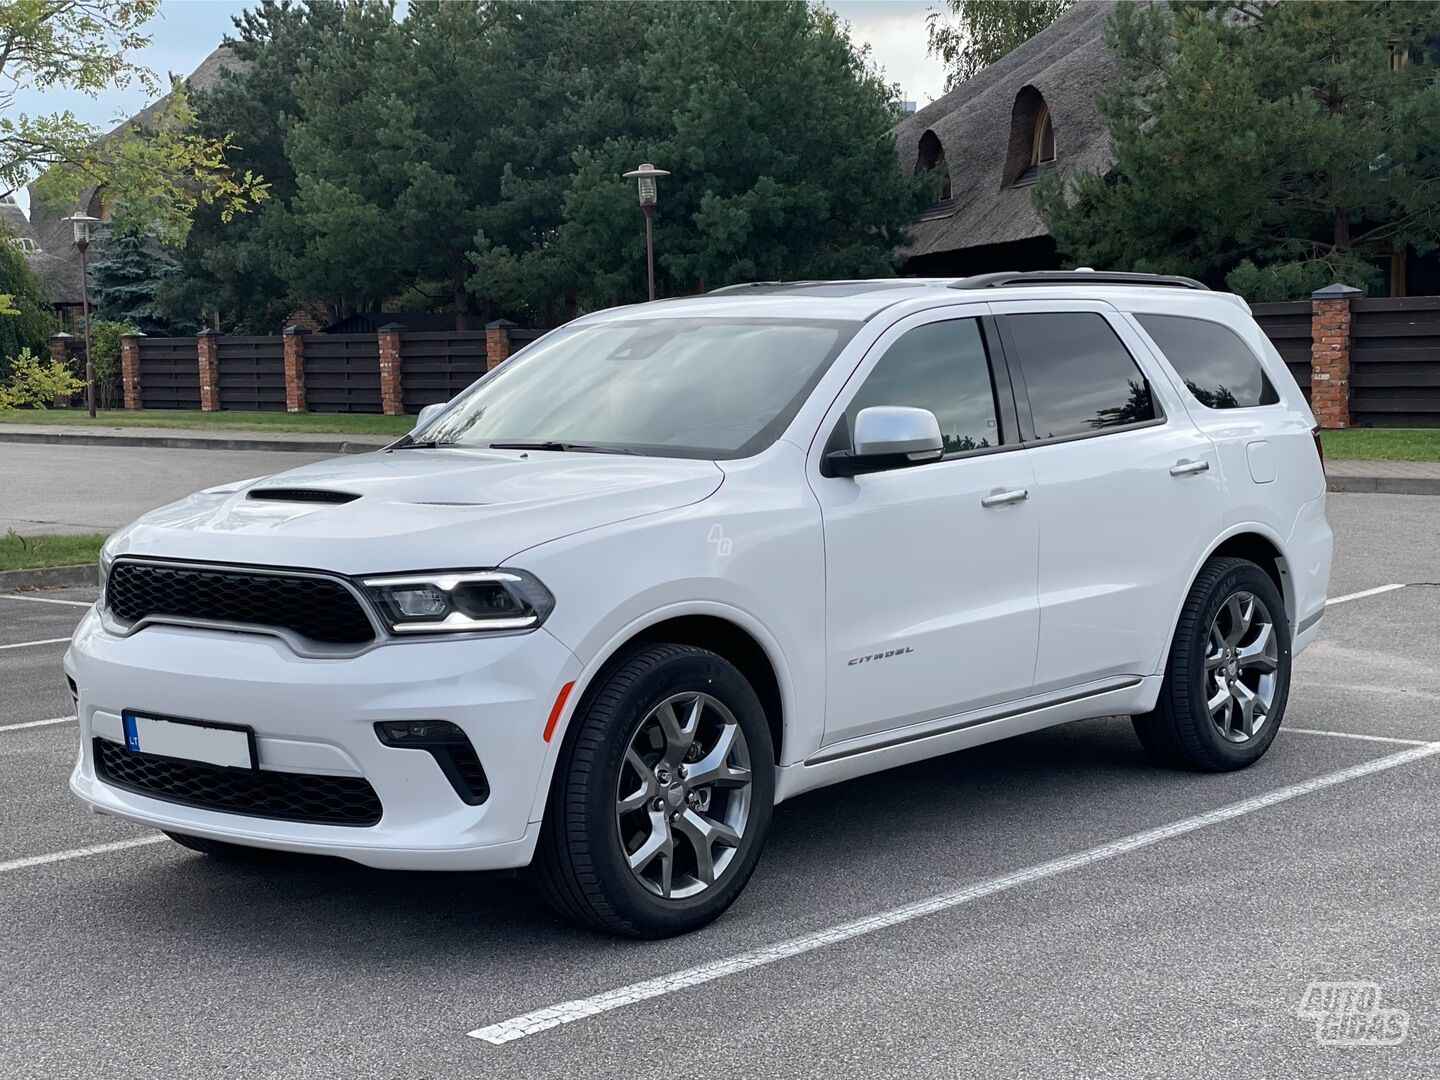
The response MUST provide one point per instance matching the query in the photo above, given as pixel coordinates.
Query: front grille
(326, 800)
(314, 607)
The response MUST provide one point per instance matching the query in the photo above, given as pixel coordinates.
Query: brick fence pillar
(60, 353)
(497, 342)
(130, 369)
(392, 401)
(294, 337)
(207, 352)
(1330, 354)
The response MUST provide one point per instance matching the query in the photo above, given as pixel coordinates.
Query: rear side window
(941, 367)
(1078, 376)
(1216, 365)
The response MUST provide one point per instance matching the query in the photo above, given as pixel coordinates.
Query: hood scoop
(301, 495)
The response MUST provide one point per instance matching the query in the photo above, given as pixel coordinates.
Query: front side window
(941, 367)
(1078, 375)
(676, 387)
(1216, 366)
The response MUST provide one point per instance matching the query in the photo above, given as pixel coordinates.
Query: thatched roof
(1067, 63)
(48, 224)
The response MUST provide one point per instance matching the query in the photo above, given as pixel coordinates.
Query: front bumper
(317, 716)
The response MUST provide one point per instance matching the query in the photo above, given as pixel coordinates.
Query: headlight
(107, 557)
(455, 602)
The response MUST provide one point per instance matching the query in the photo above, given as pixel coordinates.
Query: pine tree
(1276, 147)
(125, 281)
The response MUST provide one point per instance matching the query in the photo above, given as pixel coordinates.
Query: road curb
(182, 442)
(49, 577)
(1385, 485)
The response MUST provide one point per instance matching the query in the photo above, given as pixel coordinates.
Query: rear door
(1127, 489)
(929, 569)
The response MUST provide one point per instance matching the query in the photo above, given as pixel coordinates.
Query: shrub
(105, 351)
(36, 385)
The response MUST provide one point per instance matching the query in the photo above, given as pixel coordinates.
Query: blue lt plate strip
(132, 737)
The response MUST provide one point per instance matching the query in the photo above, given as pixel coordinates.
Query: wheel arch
(723, 630)
(1254, 542)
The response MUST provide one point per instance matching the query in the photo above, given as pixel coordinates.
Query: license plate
(190, 740)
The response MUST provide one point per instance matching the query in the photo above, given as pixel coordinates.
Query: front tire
(662, 795)
(1228, 676)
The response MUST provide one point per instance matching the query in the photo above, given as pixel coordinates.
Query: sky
(186, 31)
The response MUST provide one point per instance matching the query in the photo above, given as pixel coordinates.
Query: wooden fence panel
(1287, 325)
(342, 373)
(1395, 362)
(169, 373)
(435, 365)
(252, 373)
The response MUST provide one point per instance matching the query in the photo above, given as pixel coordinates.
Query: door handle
(1185, 468)
(1005, 498)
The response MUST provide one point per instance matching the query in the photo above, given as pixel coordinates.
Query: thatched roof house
(57, 263)
(1032, 109)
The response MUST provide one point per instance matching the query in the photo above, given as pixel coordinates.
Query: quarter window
(1216, 366)
(1078, 375)
(941, 367)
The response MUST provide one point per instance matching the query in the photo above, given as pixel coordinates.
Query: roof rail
(1076, 277)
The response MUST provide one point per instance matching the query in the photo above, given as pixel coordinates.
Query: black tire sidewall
(690, 670)
(1244, 577)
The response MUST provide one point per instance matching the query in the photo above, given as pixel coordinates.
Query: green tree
(29, 322)
(976, 33)
(154, 177)
(229, 268)
(775, 130)
(1278, 147)
(126, 281)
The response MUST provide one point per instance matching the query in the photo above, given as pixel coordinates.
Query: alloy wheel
(683, 799)
(1242, 659)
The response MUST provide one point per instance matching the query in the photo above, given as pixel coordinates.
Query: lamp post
(82, 224)
(645, 177)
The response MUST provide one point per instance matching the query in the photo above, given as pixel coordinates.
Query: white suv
(677, 562)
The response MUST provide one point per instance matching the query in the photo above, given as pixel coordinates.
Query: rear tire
(1228, 675)
(662, 795)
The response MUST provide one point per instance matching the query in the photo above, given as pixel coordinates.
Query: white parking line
(79, 853)
(23, 644)
(1355, 735)
(46, 600)
(36, 723)
(569, 1012)
(1363, 593)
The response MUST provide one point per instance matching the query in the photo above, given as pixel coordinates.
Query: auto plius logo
(878, 656)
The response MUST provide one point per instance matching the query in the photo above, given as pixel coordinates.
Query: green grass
(28, 552)
(1382, 444)
(319, 423)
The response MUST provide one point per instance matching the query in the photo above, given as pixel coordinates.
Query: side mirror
(889, 437)
(429, 413)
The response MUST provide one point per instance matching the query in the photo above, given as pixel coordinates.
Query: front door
(931, 580)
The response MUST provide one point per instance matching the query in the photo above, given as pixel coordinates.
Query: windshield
(704, 388)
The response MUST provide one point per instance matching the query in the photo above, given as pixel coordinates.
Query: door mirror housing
(889, 437)
(429, 413)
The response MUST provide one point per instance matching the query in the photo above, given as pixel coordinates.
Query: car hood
(416, 509)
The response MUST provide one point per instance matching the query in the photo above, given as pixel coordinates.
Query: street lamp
(82, 224)
(645, 177)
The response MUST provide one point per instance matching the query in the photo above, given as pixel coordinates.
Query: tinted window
(940, 367)
(677, 387)
(1215, 364)
(1078, 375)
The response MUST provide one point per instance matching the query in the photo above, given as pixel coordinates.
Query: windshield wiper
(568, 447)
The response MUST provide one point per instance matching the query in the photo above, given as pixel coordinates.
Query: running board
(891, 749)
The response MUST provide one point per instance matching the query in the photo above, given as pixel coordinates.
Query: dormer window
(930, 158)
(25, 244)
(1032, 138)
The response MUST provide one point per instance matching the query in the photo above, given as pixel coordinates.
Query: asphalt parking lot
(1021, 939)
